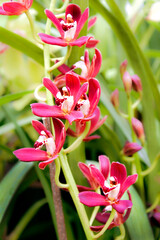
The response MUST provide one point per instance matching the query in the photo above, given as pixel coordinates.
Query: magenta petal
(39, 127)
(97, 228)
(104, 165)
(73, 116)
(102, 217)
(98, 176)
(83, 188)
(55, 21)
(50, 86)
(14, 8)
(94, 93)
(42, 165)
(81, 91)
(122, 205)
(64, 69)
(82, 21)
(74, 10)
(31, 154)
(73, 83)
(85, 170)
(52, 40)
(44, 110)
(91, 43)
(79, 42)
(127, 183)
(93, 137)
(97, 63)
(2, 12)
(91, 22)
(60, 134)
(118, 170)
(92, 199)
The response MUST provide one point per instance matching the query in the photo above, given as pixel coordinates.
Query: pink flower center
(47, 141)
(69, 27)
(83, 105)
(64, 100)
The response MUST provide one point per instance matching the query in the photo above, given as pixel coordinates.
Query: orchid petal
(94, 93)
(104, 165)
(122, 205)
(42, 165)
(118, 170)
(93, 137)
(97, 61)
(79, 42)
(60, 134)
(31, 154)
(98, 176)
(92, 199)
(64, 68)
(52, 40)
(73, 83)
(127, 183)
(91, 43)
(50, 86)
(2, 12)
(15, 8)
(83, 188)
(82, 21)
(44, 110)
(74, 10)
(81, 91)
(91, 22)
(39, 127)
(73, 116)
(55, 21)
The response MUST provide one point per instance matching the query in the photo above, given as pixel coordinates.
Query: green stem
(66, 124)
(57, 173)
(62, 9)
(74, 194)
(78, 140)
(31, 22)
(122, 231)
(25, 220)
(110, 219)
(94, 213)
(151, 168)
(154, 205)
(64, 59)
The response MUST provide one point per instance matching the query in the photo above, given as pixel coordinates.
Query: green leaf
(138, 224)
(25, 46)
(10, 183)
(11, 97)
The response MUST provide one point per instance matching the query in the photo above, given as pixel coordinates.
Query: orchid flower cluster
(75, 113)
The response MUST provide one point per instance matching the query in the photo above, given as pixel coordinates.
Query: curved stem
(79, 139)
(62, 9)
(64, 59)
(122, 114)
(36, 93)
(136, 103)
(74, 194)
(31, 22)
(151, 168)
(57, 173)
(154, 205)
(110, 219)
(122, 231)
(94, 213)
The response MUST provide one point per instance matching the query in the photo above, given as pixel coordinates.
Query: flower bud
(127, 81)
(115, 98)
(138, 129)
(130, 148)
(123, 67)
(136, 83)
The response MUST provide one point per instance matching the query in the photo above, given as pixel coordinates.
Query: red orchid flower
(88, 173)
(53, 147)
(89, 70)
(113, 191)
(66, 100)
(95, 124)
(131, 148)
(69, 28)
(119, 218)
(15, 7)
